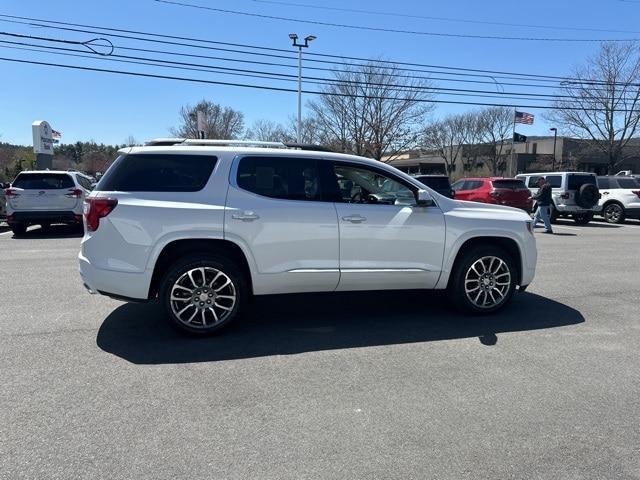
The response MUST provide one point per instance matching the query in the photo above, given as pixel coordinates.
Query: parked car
(574, 194)
(620, 198)
(43, 197)
(202, 225)
(438, 183)
(3, 201)
(497, 190)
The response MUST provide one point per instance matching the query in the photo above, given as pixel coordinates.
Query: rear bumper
(44, 217)
(121, 285)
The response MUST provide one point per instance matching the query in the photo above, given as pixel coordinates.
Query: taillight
(564, 195)
(11, 193)
(74, 193)
(637, 192)
(97, 208)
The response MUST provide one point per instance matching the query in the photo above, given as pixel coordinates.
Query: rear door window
(576, 181)
(150, 172)
(556, 180)
(509, 184)
(604, 183)
(628, 182)
(43, 181)
(286, 178)
(472, 184)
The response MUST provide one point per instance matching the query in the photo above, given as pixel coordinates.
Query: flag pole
(513, 168)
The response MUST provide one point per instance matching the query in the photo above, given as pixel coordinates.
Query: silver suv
(574, 194)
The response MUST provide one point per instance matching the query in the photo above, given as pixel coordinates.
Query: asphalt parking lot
(319, 386)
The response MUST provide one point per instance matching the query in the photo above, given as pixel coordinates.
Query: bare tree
(370, 110)
(447, 138)
(221, 122)
(495, 124)
(267, 131)
(604, 106)
(131, 141)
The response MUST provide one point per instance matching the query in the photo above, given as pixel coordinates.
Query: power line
(279, 89)
(393, 30)
(290, 77)
(396, 65)
(445, 19)
(89, 44)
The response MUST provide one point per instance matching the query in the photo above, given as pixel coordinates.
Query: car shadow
(593, 224)
(291, 324)
(54, 231)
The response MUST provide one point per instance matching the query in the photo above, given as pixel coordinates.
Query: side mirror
(423, 198)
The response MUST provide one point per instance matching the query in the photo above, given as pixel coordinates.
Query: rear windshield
(158, 173)
(437, 183)
(576, 181)
(43, 181)
(628, 183)
(509, 184)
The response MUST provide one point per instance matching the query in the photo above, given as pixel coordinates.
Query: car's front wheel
(18, 228)
(202, 294)
(483, 280)
(583, 218)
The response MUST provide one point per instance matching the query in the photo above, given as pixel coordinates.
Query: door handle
(245, 216)
(354, 218)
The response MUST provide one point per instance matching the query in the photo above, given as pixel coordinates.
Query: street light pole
(555, 139)
(307, 39)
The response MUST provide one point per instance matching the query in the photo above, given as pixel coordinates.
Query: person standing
(543, 202)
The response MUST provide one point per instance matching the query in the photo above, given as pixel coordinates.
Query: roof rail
(307, 146)
(164, 142)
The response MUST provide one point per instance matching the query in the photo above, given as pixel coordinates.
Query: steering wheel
(356, 197)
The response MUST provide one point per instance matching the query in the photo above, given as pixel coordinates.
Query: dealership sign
(42, 137)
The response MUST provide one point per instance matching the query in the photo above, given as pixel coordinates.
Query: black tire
(587, 195)
(613, 212)
(583, 218)
(457, 291)
(213, 322)
(18, 228)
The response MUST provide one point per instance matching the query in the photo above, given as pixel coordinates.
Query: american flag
(55, 133)
(524, 117)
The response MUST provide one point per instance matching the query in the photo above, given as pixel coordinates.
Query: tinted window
(576, 181)
(556, 180)
(437, 183)
(280, 177)
(509, 184)
(362, 185)
(627, 183)
(158, 173)
(604, 182)
(43, 181)
(473, 184)
(533, 182)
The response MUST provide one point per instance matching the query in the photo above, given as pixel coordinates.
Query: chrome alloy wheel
(203, 297)
(487, 282)
(613, 213)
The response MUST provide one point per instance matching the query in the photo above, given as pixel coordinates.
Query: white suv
(203, 225)
(43, 197)
(574, 194)
(620, 198)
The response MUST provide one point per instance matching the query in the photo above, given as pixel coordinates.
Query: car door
(274, 209)
(461, 191)
(386, 241)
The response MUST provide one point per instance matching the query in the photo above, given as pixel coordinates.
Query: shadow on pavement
(54, 231)
(593, 224)
(290, 324)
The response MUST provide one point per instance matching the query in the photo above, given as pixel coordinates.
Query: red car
(497, 190)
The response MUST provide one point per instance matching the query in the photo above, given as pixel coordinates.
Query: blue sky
(108, 108)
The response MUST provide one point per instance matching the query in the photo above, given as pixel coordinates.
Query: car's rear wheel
(203, 293)
(483, 280)
(613, 213)
(583, 218)
(18, 228)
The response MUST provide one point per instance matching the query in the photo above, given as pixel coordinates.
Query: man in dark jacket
(543, 202)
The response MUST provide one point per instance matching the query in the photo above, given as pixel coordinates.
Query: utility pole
(555, 139)
(307, 39)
